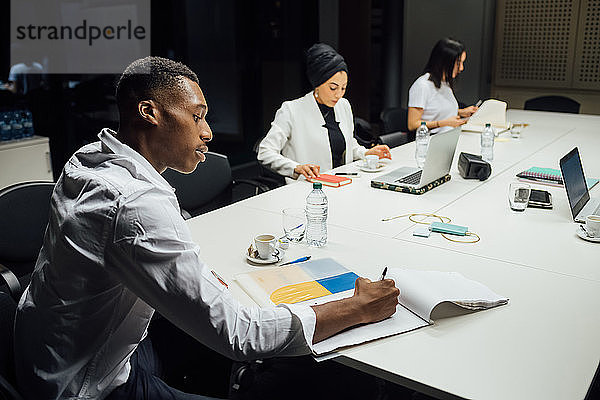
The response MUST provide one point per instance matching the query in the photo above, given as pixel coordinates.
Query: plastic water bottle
(27, 119)
(422, 142)
(16, 125)
(316, 216)
(487, 143)
(5, 128)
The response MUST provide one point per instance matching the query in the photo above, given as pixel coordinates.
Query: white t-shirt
(437, 104)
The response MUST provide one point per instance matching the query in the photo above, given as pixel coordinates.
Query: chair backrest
(205, 189)
(24, 213)
(553, 103)
(363, 133)
(394, 119)
(266, 175)
(8, 308)
(394, 139)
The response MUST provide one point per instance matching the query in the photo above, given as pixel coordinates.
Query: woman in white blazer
(315, 131)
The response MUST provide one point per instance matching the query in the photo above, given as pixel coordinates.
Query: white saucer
(581, 233)
(364, 168)
(275, 257)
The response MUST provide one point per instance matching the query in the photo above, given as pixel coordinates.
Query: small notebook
(331, 180)
(548, 176)
(425, 296)
(404, 189)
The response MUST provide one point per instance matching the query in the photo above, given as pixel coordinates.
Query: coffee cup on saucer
(592, 225)
(371, 161)
(265, 245)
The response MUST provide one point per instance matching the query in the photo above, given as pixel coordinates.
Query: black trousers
(145, 379)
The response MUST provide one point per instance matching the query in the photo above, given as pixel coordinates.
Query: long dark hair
(444, 56)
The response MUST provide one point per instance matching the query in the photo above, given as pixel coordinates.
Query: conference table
(544, 344)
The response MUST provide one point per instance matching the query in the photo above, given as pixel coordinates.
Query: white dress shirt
(297, 136)
(116, 248)
(437, 104)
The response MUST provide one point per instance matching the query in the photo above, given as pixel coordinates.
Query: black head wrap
(322, 62)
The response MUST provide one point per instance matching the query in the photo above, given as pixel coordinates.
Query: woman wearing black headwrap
(315, 131)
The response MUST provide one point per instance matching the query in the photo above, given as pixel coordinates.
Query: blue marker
(301, 259)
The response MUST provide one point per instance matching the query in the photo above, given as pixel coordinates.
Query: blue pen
(301, 259)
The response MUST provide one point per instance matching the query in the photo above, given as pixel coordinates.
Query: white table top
(543, 344)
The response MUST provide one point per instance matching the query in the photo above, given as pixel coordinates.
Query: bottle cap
(317, 185)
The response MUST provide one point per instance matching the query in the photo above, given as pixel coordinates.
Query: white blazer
(297, 136)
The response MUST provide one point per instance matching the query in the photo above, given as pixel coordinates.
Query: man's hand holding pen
(376, 300)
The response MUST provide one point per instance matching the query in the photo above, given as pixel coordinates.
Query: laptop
(575, 184)
(437, 164)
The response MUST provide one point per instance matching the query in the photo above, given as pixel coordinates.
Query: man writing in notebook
(117, 248)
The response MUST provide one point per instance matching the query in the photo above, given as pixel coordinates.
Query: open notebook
(425, 296)
(491, 111)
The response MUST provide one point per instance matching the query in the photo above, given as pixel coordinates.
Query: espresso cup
(265, 245)
(372, 161)
(592, 225)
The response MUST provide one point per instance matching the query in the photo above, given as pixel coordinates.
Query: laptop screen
(574, 180)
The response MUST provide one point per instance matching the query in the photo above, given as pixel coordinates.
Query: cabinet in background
(25, 160)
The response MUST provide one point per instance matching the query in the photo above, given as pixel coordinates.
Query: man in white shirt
(117, 248)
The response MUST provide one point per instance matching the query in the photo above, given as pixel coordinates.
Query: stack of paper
(491, 112)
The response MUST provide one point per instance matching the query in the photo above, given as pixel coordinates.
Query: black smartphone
(540, 199)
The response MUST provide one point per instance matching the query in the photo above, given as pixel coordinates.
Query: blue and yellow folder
(297, 282)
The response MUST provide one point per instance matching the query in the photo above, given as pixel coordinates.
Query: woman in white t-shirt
(431, 98)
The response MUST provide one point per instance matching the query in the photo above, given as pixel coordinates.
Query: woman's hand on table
(381, 150)
(307, 170)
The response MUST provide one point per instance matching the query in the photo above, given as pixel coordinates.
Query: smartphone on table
(540, 199)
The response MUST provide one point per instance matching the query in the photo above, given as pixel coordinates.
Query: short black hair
(148, 78)
(444, 56)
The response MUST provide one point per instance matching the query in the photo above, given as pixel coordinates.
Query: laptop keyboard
(411, 179)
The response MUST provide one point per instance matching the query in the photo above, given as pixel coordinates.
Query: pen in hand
(383, 274)
(478, 103)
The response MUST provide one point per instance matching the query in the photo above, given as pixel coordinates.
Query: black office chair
(553, 103)
(394, 139)
(209, 187)
(266, 176)
(8, 307)
(395, 119)
(10, 291)
(24, 213)
(363, 133)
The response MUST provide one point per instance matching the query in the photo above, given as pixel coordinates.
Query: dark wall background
(249, 56)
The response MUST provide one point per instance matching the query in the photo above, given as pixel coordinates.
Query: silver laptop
(437, 164)
(575, 184)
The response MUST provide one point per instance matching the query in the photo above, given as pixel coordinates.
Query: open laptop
(575, 184)
(437, 164)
